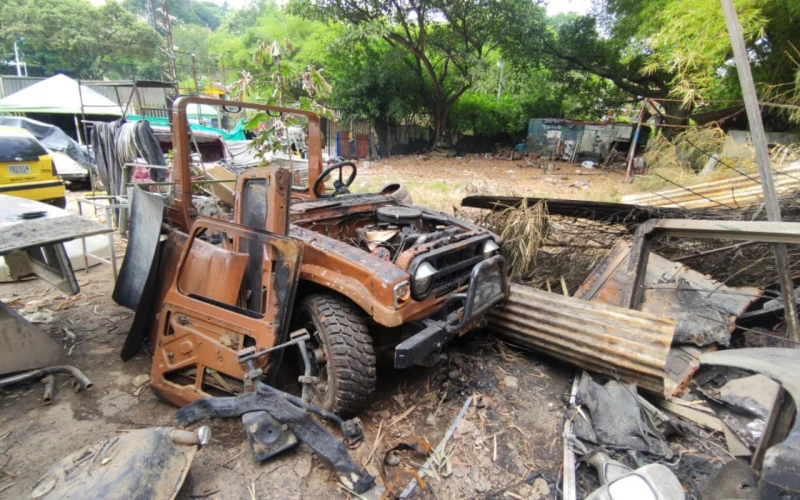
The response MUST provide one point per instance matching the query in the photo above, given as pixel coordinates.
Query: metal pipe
(307, 368)
(81, 381)
(47, 396)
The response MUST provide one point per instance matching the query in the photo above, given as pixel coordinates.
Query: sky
(553, 6)
(558, 6)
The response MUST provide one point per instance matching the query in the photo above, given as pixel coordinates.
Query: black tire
(58, 202)
(347, 373)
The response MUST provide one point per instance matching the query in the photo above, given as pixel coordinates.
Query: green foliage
(76, 38)
(688, 40)
(197, 12)
(446, 43)
(279, 84)
(242, 31)
(524, 94)
(372, 80)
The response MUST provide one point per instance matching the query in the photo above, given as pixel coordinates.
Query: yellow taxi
(27, 169)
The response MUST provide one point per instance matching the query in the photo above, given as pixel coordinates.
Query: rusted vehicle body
(363, 274)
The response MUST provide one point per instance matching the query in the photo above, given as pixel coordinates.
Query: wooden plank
(225, 191)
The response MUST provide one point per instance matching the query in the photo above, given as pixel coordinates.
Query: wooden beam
(762, 159)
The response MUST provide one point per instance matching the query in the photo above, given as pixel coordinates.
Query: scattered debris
(292, 413)
(654, 481)
(615, 418)
(126, 466)
(704, 310)
(781, 458)
(396, 481)
(734, 480)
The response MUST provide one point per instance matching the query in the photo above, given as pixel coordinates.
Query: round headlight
(490, 248)
(423, 278)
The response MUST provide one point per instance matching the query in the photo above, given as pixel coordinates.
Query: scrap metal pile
(602, 295)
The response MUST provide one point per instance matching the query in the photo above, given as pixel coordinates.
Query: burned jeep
(363, 274)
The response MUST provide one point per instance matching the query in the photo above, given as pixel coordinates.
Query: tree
(73, 37)
(676, 49)
(279, 84)
(371, 80)
(689, 39)
(445, 39)
(242, 31)
(201, 13)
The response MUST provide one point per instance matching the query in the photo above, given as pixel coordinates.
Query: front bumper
(37, 191)
(488, 285)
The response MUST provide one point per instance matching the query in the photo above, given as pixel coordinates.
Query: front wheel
(342, 356)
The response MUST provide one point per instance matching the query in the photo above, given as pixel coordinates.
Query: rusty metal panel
(704, 309)
(631, 345)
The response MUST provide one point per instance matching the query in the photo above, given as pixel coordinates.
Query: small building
(571, 139)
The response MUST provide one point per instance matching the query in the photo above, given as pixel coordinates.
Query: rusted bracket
(649, 232)
(292, 412)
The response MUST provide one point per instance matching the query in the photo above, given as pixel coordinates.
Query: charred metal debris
(666, 297)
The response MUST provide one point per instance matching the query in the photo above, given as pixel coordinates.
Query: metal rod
(83, 115)
(111, 248)
(762, 159)
(212, 181)
(83, 240)
(715, 250)
(439, 449)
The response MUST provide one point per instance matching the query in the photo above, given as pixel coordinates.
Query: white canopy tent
(59, 94)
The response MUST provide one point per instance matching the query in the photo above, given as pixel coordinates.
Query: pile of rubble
(679, 358)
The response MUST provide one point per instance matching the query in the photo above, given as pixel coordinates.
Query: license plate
(18, 169)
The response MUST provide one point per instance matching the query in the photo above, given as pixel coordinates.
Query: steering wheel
(339, 185)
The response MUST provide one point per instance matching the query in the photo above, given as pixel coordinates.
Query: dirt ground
(441, 183)
(507, 446)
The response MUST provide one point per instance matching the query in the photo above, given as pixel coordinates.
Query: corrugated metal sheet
(632, 345)
(733, 193)
(149, 97)
(13, 84)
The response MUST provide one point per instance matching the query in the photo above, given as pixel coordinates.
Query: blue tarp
(237, 134)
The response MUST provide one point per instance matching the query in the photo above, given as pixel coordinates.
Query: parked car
(70, 158)
(27, 169)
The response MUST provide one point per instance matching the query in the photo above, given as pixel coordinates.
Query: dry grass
(541, 249)
(524, 231)
(682, 159)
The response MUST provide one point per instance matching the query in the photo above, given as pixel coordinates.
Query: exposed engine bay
(399, 229)
(388, 231)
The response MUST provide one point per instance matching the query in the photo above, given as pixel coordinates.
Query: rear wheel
(342, 356)
(58, 202)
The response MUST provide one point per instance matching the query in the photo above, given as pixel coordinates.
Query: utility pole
(16, 60)
(160, 20)
(194, 75)
(762, 159)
